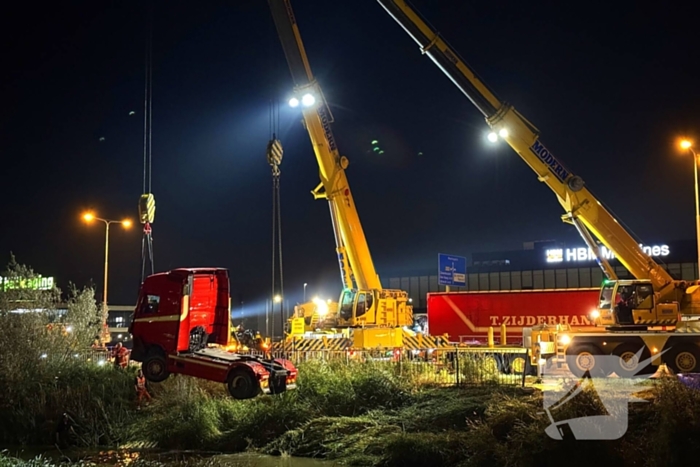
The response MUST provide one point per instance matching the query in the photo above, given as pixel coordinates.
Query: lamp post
(305, 284)
(89, 217)
(688, 145)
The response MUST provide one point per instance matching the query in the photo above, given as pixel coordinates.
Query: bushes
(97, 398)
(351, 389)
(185, 415)
(362, 414)
(182, 416)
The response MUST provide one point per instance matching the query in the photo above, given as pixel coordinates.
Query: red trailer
(467, 316)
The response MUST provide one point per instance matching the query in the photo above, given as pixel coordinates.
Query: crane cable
(274, 158)
(274, 154)
(147, 203)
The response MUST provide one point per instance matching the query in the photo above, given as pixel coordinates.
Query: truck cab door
(157, 315)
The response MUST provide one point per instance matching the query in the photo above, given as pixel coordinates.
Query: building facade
(542, 265)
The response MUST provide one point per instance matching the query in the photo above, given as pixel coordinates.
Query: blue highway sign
(452, 270)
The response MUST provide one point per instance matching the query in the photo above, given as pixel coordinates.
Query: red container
(467, 316)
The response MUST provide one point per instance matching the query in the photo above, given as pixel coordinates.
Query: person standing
(141, 390)
(121, 356)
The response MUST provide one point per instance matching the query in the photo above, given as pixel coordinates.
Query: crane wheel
(242, 384)
(626, 363)
(155, 368)
(490, 367)
(684, 359)
(585, 361)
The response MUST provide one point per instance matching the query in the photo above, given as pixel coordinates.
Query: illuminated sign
(559, 255)
(35, 283)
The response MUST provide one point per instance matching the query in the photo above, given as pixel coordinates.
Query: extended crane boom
(350, 237)
(581, 207)
(363, 303)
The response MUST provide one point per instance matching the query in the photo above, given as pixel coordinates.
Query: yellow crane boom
(523, 137)
(350, 237)
(363, 303)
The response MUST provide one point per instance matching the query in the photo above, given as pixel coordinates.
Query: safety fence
(440, 367)
(456, 366)
(99, 357)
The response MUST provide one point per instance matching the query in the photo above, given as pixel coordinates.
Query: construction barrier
(440, 367)
(97, 356)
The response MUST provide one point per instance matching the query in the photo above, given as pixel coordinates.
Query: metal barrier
(438, 367)
(99, 357)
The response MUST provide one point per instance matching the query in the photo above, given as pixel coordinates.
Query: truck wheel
(155, 368)
(684, 359)
(626, 364)
(242, 385)
(585, 361)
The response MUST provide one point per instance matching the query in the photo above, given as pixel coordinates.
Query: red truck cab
(182, 324)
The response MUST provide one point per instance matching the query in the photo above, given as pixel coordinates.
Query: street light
(126, 223)
(688, 145)
(305, 284)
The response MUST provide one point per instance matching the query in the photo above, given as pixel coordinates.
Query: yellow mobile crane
(376, 316)
(660, 315)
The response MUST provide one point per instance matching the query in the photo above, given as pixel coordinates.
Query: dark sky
(609, 86)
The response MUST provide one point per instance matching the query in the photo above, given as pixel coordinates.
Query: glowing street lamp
(126, 223)
(688, 146)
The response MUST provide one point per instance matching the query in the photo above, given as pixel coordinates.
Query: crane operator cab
(625, 303)
(377, 316)
(354, 305)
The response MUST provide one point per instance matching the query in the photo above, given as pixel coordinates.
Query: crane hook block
(274, 152)
(147, 208)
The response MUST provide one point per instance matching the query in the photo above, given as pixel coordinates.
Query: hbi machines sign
(615, 399)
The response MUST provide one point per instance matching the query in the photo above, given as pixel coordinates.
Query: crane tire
(625, 363)
(683, 359)
(584, 361)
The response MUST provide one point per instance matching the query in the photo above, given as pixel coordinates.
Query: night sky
(610, 88)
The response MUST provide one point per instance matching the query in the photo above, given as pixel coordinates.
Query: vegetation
(42, 365)
(357, 414)
(125, 458)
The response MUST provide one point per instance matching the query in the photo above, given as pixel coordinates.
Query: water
(121, 458)
(258, 460)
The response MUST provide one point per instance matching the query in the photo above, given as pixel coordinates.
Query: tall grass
(98, 399)
(6, 460)
(361, 414)
(188, 414)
